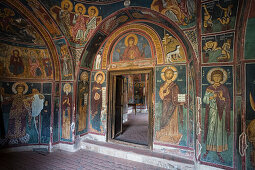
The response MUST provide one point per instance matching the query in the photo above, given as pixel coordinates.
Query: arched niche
(158, 35)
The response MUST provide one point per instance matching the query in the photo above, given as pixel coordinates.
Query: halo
(131, 35)
(84, 76)
(17, 83)
(172, 68)
(95, 8)
(80, 5)
(16, 49)
(209, 75)
(70, 5)
(67, 88)
(102, 73)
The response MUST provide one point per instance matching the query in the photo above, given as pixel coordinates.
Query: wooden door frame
(110, 108)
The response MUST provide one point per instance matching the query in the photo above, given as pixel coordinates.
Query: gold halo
(80, 5)
(70, 5)
(17, 83)
(84, 76)
(67, 88)
(172, 68)
(131, 35)
(225, 75)
(102, 73)
(16, 49)
(95, 8)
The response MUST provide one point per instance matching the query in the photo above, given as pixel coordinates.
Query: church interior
(163, 83)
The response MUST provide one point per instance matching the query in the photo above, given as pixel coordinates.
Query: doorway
(130, 114)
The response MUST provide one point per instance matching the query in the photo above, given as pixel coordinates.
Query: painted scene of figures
(218, 16)
(77, 22)
(25, 106)
(21, 62)
(218, 48)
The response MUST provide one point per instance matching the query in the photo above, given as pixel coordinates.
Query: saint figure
(217, 113)
(83, 100)
(20, 112)
(172, 110)
(16, 64)
(79, 21)
(96, 100)
(66, 111)
(131, 51)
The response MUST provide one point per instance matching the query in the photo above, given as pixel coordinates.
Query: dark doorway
(129, 106)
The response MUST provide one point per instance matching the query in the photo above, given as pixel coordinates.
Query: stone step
(141, 155)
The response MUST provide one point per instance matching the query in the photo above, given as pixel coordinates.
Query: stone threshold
(141, 155)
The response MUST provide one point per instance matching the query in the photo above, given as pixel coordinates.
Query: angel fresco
(172, 110)
(96, 101)
(217, 113)
(23, 108)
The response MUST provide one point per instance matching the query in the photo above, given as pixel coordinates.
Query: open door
(123, 109)
(118, 105)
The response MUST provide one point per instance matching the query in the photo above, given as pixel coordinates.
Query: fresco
(217, 115)
(182, 12)
(114, 22)
(25, 107)
(65, 59)
(83, 102)
(131, 47)
(218, 48)
(21, 62)
(171, 112)
(192, 109)
(77, 25)
(46, 114)
(173, 49)
(13, 27)
(93, 46)
(218, 15)
(240, 135)
(66, 111)
(250, 116)
(98, 102)
(41, 13)
(56, 120)
(250, 34)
